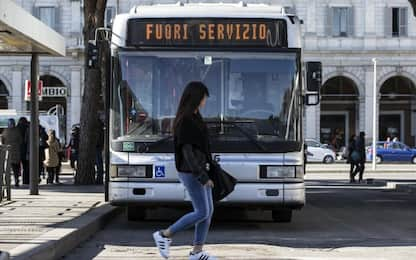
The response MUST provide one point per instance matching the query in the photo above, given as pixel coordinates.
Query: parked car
(317, 152)
(392, 152)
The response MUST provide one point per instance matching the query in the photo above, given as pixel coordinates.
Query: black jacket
(360, 147)
(192, 149)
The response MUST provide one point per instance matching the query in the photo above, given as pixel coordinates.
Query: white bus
(249, 56)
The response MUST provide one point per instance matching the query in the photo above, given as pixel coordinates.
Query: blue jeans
(201, 197)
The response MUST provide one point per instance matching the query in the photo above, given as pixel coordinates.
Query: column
(361, 113)
(17, 88)
(311, 17)
(311, 122)
(369, 102)
(369, 24)
(34, 126)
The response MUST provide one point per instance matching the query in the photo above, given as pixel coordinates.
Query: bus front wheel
(282, 216)
(135, 213)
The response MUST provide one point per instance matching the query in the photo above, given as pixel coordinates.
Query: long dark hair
(191, 98)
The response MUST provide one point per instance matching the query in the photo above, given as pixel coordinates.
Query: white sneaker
(162, 243)
(201, 256)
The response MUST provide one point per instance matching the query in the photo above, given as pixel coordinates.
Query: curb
(409, 188)
(58, 242)
(4, 255)
(347, 172)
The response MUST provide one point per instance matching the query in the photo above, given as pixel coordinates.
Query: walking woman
(192, 157)
(52, 157)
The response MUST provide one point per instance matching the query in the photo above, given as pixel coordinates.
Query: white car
(317, 152)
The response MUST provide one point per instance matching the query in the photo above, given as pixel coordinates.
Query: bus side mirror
(313, 76)
(313, 82)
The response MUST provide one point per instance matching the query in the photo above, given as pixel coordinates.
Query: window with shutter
(398, 21)
(395, 22)
(47, 15)
(341, 22)
(403, 21)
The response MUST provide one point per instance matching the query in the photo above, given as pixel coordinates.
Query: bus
(250, 57)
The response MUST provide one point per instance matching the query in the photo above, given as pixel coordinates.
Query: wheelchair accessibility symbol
(160, 171)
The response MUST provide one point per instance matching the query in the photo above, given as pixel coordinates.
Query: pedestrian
(360, 147)
(74, 147)
(61, 157)
(352, 158)
(192, 157)
(23, 126)
(387, 143)
(43, 138)
(99, 152)
(51, 156)
(12, 137)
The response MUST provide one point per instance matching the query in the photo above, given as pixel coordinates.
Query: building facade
(345, 35)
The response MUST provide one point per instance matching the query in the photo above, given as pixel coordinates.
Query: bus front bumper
(262, 195)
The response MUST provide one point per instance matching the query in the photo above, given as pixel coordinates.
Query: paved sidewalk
(343, 167)
(26, 219)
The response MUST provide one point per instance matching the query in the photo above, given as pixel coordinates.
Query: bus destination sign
(212, 32)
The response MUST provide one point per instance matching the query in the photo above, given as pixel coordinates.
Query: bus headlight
(300, 171)
(280, 172)
(138, 171)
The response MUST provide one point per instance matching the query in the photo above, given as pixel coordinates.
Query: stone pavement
(27, 218)
(400, 176)
(342, 167)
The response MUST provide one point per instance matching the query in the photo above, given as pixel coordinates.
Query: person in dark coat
(12, 137)
(360, 146)
(74, 147)
(43, 144)
(23, 126)
(352, 161)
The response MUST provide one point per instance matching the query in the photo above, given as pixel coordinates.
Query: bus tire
(135, 213)
(282, 216)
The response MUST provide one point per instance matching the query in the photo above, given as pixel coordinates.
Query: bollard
(8, 175)
(5, 174)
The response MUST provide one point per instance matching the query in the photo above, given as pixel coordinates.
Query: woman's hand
(210, 184)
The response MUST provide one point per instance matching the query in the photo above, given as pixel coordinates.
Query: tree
(94, 17)
(413, 4)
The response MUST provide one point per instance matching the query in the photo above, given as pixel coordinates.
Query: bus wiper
(241, 129)
(144, 147)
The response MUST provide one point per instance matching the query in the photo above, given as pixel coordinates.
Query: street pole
(374, 113)
(34, 126)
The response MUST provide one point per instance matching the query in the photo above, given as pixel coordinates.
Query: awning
(23, 34)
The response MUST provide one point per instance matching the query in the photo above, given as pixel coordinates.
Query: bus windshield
(251, 94)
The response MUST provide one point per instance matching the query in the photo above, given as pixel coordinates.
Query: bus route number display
(259, 33)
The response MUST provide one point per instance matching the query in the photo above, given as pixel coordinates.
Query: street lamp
(374, 113)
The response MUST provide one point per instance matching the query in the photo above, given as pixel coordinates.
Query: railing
(5, 179)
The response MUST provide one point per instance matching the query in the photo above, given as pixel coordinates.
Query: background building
(344, 34)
